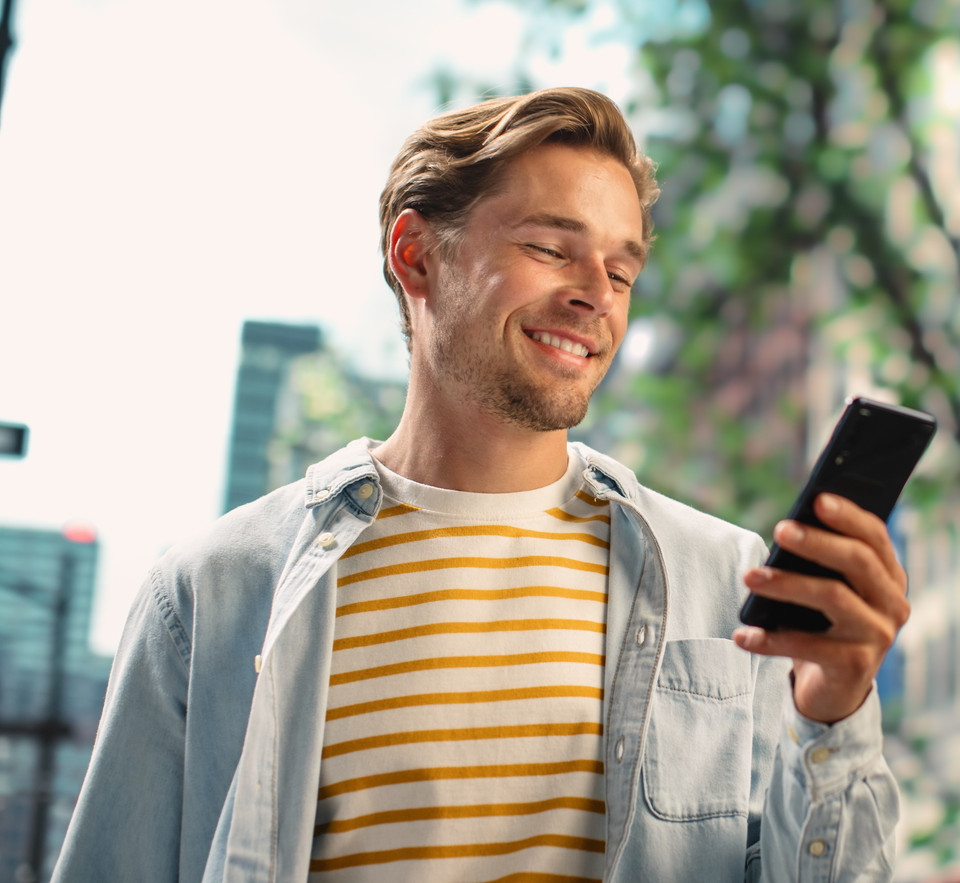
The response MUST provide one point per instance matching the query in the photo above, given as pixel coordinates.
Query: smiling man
(475, 651)
(514, 334)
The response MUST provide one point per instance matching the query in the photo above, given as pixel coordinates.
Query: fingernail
(829, 502)
(748, 637)
(790, 531)
(759, 575)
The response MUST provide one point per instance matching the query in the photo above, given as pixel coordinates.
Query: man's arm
(832, 804)
(127, 822)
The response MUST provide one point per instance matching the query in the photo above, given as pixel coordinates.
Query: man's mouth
(561, 343)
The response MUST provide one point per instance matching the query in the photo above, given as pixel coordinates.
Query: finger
(832, 650)
(807, 646)
(859, 562)
(836, 600)
(831, 678)
(849, 519)
(853, 661)
(853, 616)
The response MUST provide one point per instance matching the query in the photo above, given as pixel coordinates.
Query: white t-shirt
(463, 739)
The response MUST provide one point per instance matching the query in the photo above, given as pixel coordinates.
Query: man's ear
(411, 241)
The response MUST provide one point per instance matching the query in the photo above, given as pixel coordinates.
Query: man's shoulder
(249, 538)
(261, 533)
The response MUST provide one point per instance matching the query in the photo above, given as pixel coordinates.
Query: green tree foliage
(809, 233)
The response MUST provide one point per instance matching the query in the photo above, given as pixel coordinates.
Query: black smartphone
(871, 454)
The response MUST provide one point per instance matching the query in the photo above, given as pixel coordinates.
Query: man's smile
(561, 343)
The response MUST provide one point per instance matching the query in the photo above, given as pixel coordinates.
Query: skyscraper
(268, 348)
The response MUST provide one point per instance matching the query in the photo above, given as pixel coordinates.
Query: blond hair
(456, 159)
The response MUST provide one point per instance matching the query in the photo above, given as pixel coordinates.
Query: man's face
(530, 308)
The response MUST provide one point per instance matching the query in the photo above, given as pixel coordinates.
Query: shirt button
(619, 749)
(365, 491)
(819, 755)
(257, 663)
(326, 539)
(322, 494)
(641, 636)
(817, 848)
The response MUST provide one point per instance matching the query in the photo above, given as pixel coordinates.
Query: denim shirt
(207, 759)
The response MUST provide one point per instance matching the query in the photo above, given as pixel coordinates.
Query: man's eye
(616, 277)
(544, 250)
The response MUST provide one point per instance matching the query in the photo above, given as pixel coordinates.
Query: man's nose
(592, 290)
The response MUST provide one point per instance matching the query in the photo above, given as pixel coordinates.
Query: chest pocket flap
(698, 756)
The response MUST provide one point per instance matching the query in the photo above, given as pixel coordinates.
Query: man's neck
(466, 451)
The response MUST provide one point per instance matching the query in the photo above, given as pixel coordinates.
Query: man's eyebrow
(572, 225)
(561, 222)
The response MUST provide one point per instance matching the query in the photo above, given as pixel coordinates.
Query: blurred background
(193, 311)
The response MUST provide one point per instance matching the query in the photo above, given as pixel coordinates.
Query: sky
(170, 168)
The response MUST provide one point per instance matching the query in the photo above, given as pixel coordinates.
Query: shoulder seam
(169, 617)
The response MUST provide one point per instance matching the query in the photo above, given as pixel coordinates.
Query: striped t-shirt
(463, 736)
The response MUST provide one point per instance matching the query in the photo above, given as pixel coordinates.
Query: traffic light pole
(52, 729)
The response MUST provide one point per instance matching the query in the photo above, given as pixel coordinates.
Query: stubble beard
(531, 406)
(527, 403)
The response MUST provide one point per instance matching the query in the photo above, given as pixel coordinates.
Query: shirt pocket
(697, 760)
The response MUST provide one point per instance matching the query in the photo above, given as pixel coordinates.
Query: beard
(532, 406)
(459, 350)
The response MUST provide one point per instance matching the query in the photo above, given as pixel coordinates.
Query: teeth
(561, 343)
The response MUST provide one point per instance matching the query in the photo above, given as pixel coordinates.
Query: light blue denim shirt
(207, 760)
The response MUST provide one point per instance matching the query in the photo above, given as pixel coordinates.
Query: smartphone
(868, 459)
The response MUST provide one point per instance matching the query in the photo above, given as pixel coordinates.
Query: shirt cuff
(829, 757)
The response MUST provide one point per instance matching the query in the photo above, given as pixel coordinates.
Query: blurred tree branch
(884, 59)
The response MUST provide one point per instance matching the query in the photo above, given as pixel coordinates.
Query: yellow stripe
(465, 734)
(415, 700)
(465, 850)
(470, 595)
(485, 563)
(391, 511)
(384, 671)
(435, 774)
(577, 519)
(528, 877)
(486, 810)
(591, 500)
(478, 530)
(466, 628)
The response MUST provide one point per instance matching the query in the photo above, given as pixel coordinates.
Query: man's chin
(545, 416)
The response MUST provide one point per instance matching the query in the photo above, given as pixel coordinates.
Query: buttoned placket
(632, 658)
(269, 762)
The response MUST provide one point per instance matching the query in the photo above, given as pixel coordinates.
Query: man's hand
(834, 669)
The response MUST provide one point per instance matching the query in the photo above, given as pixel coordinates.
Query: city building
(51, 690)
(267, 350)
(296, 402)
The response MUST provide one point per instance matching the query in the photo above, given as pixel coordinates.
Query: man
(475, 652)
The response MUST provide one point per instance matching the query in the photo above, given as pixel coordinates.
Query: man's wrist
(827, 713)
